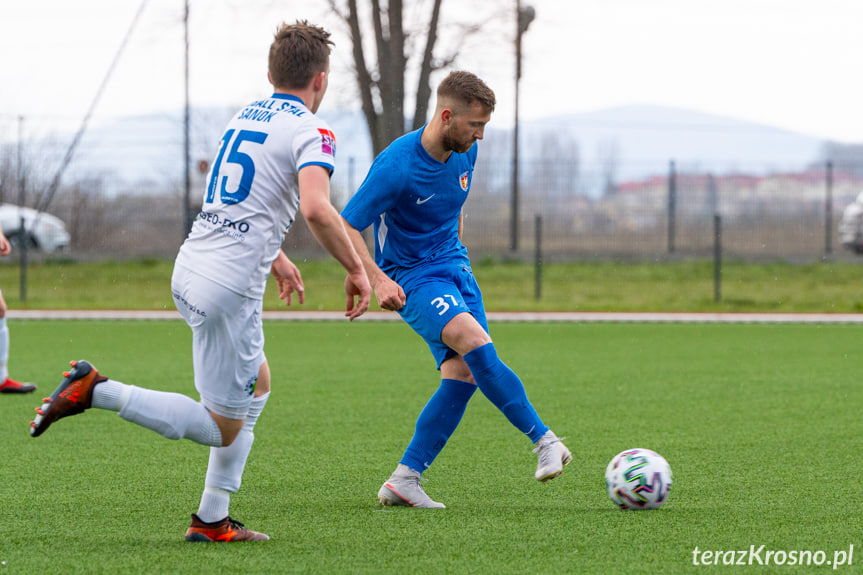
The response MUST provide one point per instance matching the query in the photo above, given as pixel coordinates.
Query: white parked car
(42, 231)
(851, 225)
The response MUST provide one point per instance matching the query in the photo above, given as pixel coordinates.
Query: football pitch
(759, 423)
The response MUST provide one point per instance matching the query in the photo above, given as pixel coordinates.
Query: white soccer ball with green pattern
(638, 479)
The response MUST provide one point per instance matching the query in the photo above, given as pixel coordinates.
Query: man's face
(465, 128)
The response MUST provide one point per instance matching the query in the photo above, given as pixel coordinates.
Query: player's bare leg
(224, 476)
(7, 384)
(437, 421)
(505, 390)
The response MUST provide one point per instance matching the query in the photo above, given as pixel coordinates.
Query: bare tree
(382, 79)
(609, 157)
(557, 168)
(8, 176)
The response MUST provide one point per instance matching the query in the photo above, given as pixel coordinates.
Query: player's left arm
(288, 278)
(461, 224)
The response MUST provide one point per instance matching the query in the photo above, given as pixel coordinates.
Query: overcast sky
(793, 64)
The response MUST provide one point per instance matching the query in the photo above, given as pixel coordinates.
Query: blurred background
(624, 129)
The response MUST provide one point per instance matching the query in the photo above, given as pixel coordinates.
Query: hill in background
(146, 152)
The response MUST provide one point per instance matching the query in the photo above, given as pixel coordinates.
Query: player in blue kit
(413, 195)
(275, 157)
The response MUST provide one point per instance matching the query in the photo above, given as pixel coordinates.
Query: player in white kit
(275, 157)
(7, 384)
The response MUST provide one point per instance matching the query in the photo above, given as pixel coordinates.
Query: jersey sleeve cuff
(331, 168)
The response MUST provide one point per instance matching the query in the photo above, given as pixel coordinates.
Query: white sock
(4, 350)
(111, 395)
(214, 504)
(226, 465)
(172, 415)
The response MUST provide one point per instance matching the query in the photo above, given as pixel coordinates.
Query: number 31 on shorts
(441, 304)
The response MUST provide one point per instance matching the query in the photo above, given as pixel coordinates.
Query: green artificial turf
(760, 423)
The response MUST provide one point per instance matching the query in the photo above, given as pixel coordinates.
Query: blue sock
(438, 419)
(504, 389)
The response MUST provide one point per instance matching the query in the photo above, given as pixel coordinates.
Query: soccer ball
(638, 479)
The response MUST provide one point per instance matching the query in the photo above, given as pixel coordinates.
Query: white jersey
(252, 192)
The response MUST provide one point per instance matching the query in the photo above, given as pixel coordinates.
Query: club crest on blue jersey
(328, 142)
(464, 181)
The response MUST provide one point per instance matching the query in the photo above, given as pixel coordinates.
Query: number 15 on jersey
(235, 156)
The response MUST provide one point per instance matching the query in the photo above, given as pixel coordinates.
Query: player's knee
(262, 385)
(466, 342)
(455, 368)
(230, 434)
(462, 375)
(474, 341)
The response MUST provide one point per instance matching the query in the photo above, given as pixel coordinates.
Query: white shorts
(227, 341)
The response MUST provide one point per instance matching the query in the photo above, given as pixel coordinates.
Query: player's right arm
(376, 195)
(389, 294)
(326, 225)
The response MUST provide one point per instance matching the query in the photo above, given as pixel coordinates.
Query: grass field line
(378, 316)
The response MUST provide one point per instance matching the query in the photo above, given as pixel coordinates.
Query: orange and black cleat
(12, 386)
(72, 396)
(227, 530)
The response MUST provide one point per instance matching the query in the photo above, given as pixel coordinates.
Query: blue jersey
(414, 202)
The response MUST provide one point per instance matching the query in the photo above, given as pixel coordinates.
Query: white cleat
(404, 488)
(552, 454)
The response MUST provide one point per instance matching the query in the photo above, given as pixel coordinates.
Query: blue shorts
(435, 295)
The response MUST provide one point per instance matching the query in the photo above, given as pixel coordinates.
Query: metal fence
(790, 217)
(768, 212)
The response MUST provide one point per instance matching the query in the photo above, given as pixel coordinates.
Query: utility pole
(20, 160)
(524, 16)
(22, 232)
(187, 151)
(672, 205)
(828, 212)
